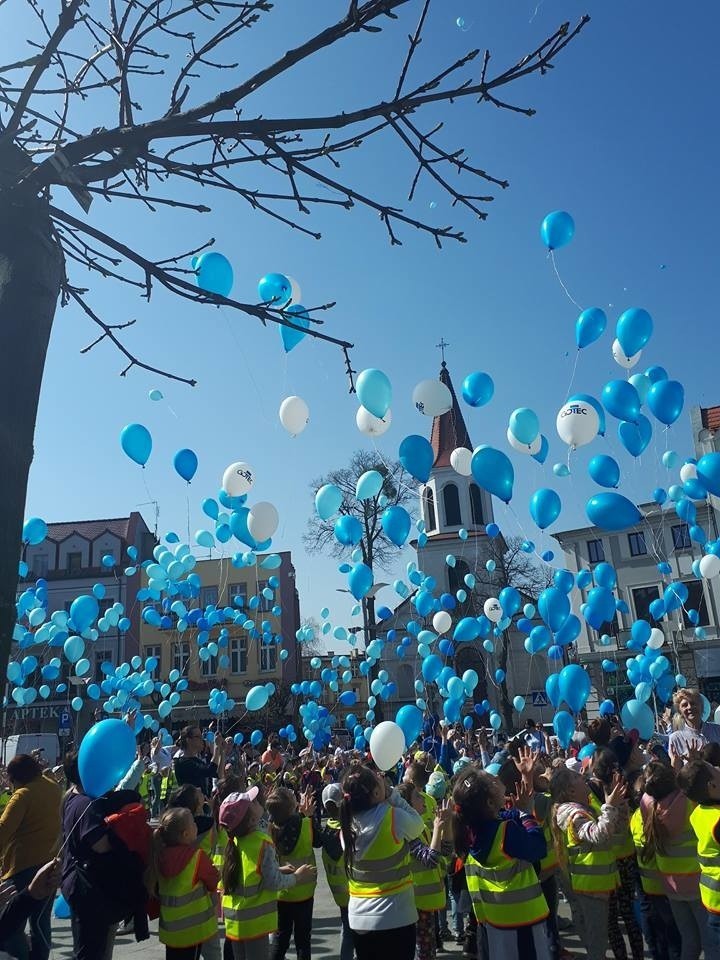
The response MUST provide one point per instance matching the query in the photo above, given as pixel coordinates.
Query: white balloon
(577, 423)
(709, 566)
(621, 359)
(370, 425)
(294, 415)
(238, 479)
(716, 718)
(656, 639)
(432, 398)
(529, 448)
(296, 292)
(442, 621)
(460, 460)
(688, 471)
(492, 609)
(262, 521)
(387, 743)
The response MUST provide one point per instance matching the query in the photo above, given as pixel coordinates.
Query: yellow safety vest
(144, 787)
(187, 912)
(550, 862)
(302, 853)
(622, 846)
(649, 873)
(592, 869)
(221, 842)
(168, 782)
(429, 811)
(507, 888)
(428, 882)
(205, 842)
(335, 873)
(250, 911)
(680, 856)
(384, 868)
(704, 820)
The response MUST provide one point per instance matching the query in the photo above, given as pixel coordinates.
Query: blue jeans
(712, 939)
(456, 914)
(17, 945)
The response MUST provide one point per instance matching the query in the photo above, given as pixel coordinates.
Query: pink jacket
(672, 813)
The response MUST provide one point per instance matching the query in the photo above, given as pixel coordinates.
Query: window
(238, 655)
(156, 652)
(681, 537)
(237, 590)
(181, 657)
(101, 657)
(476, 509)
(642, 598)
(596, 553)
(73, 562)
(208, 596)
(638, 547)
(40, 565)
(456, 577)
(105, 605)
(451, 501)
(208, 668)
(429, 498)
(265, 604)
(695, 601)
(268, 657)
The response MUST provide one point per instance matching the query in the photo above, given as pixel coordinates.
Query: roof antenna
(153, 503)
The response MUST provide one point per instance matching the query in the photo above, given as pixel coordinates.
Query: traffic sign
(540, 699)
(64, 723)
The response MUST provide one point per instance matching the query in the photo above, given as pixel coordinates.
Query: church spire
(449, 430)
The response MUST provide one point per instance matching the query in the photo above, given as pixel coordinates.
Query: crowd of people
(471, 837)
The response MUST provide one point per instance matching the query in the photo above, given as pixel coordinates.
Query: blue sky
(624, 139)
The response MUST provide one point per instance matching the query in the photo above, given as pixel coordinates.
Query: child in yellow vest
(428, 871)
(586, 844)
(252, 877)
(294, 839)
(192, 799)
(187, 884)
(332, 858)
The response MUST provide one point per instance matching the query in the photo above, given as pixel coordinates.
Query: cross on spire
(441, 347)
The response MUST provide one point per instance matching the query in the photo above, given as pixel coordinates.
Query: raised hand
(526, 762)
(307, 803)
(523, 796)
(617, 792)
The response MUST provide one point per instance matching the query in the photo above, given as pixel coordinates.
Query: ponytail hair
(168, 833)
(659, 784)
(358, 787)
(231, 866)
(474, 793)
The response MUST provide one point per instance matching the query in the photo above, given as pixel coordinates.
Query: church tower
(451, 502)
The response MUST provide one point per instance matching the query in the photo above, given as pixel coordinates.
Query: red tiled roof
(449, 430)
(90, 529)
(710, 417)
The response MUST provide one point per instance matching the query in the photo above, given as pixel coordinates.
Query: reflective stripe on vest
(302, 853)
(428, 882)
(592, 869)
(250, 911)
(649, 873)
(704, 820)
(507, 888)
(384, 868)
(680, 857)
(337, 879)
(187, 912)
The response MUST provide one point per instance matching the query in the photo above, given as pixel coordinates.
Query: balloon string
(560, 281)
(574, 371)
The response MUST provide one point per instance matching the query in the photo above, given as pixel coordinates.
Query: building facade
(358, 683)
(70, 561)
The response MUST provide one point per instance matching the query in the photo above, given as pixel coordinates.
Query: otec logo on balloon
(573, 409)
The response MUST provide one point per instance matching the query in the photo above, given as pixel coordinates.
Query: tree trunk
(31, 269)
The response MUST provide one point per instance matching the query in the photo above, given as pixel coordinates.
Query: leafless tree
(73, 130)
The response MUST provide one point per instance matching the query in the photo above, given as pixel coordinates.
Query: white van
(27, 742)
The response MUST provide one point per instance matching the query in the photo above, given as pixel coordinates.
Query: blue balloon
(374, 392)
(666, 399)
(297, 315)
(600, 607)
(634, 329)
(595, 404)
(659, 495)
(410, 720)
(635, 436)
(657, 609)
(564, 580)
(609, 666)
(552, 689)
(574, 686)
(686, 510)
(561, 470)
(360, 580)
(675, 595)
(431, 667)
(84, 611)
(540, 639)
(553, 606)
(656, 373)
(417, 457)
(275, 289)
(61, 908)
(369, 485)
(328, 501)
(569, 631)
(590, 326)
(557, 229)
(396, 524)
(34, 531)
(524, 425)
(564, 727)
(466, 629)
(604, 470)
(607, 708)
(494, 472)
(136, 442)
(348, 530)
(213, 273)
(695, 489)
(477, 389)
(545, 507)
(492, 530)
(186, 464)
(605, 575)
(708, 471)
(541, 455)
(106, 754)
(638, 716)
(612, 511)
(510, 601)
(621, 400)
(256, 737)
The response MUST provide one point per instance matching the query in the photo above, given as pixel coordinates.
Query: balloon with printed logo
(494, 472)
(612, 511)
(622, 359)
(590, 326)
(186, 464)
(460, 460)
(136, 443)
(213, 273)
(417, 457)
(545, 507)
(432, 398)
(477, 389)
(634, 329)
(604, 470)
(666, 399)
(577, 423)
(557, 229)
(238, 479)
(492, 610)
(294, 415)
(374, 391)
